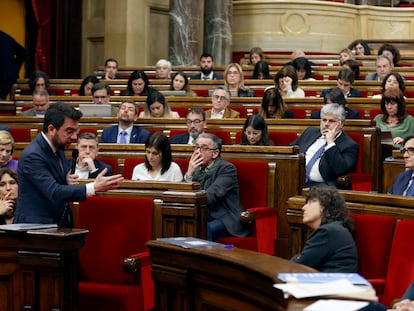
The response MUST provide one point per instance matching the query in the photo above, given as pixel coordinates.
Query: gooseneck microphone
(75, 154)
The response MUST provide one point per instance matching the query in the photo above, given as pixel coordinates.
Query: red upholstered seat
(203, 93)
(263, 230)
(373, 238)
(400, 271)
(279, 138)
(118, 228)
(20, 135)
(223, 134)
(298, 113)
(113, 162)
(373, 113)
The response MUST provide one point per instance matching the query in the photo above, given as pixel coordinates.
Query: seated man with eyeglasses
(196, 123)
(101, 94)
(219, 180)
(404, 182)
(220, 109)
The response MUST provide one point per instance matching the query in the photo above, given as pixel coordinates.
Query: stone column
(185, 32)
(217, 30)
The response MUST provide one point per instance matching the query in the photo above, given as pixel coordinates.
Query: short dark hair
(346, 75)
(111, 60)
(394, 51)
(101, 86)
(217, 141)
(407, 138)
(57, 113)
(160, 142)
(261, 67)
(10, 172)
(333, 205)
(354, 66)
(206, 55)
(87, 135)
(367, 50)
(336, 95)
(197, 110)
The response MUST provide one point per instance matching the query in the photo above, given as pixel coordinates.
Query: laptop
(173, 93)
(95, 110)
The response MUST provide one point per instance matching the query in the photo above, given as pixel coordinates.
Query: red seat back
(359, 139)
(283, 138)
(223, 134)
(373, 113)
(113, 162)
(298, 113)
(20, 135)
(400, 271)
(129, 164)
(373, 238)
(118, 228)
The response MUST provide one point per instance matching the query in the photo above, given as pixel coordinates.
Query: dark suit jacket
(223, 198)
(330, 248)
(400, 183)
(352, 93)
(180, 138)
(43, 190)
(337, 160)
(198, 77)
(350, 114)
(138, 135)
(12, 56)
(100, 167)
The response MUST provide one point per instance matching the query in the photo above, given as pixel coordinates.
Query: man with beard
(206, 67)
(125, 132)
(46, 185)
(196, 123)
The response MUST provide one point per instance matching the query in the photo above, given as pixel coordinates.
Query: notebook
(386, 138)
(95, 110)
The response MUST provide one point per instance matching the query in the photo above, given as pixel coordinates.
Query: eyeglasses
(195, 121)
(221, 98)
(410, 150)
(100, 97)
(203, 148)
(254, 133)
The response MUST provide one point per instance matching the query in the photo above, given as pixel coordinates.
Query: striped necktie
(409, 192)
(313, 160)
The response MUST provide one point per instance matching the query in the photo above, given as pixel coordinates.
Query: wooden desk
(218, 279)
(39, 269)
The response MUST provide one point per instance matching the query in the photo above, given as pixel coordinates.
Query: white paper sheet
(336, 304)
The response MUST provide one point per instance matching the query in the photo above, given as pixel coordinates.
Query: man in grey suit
(383, 67)
(40, 104)
(219, 179)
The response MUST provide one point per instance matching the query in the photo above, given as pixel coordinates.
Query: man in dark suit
(40, 104)
(196, 123)
(383, 67)
(12, 56)
(125, 132)
(344, 81)
(45, 184)
(87, 166)
(219, 179)
(206, 67)
(329, 152)
(404, 183)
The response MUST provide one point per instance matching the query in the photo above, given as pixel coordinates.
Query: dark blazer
(223, 198)
(245, 93)
(400, 183)
(138, 135)
(372, 77)
(330, 248)
(352, 93)
(12, 56)
(198, 77)
(43, 191)
(337, 160)
(180, 138)
(350, 114)
(100, 167)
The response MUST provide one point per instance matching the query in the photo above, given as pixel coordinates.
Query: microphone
(75, 154)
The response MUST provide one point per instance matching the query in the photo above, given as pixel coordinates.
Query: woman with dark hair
(261, 71)
(394, 117)
(273, 106)
(303, 68)
(354, 66)
(393, 80)
(8, 195)
(157, 107)
(362, 48)
(255, 132)
(86, 86)
(335, 95)
(255, 55)
(391, 52)
(138, 84)
(286, 81)
(38, 80)
(158, 161)
(330, 247)
(179, 82)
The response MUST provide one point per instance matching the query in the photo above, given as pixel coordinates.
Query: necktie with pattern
(122, 138)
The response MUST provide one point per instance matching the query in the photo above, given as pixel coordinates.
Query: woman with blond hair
(6, 151)
(234, 81)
